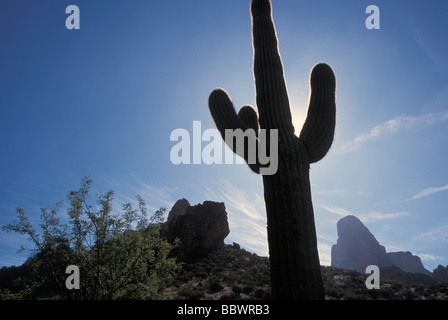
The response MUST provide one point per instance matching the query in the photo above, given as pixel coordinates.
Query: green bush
(120, 256)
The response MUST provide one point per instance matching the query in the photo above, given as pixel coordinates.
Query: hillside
(212, 270)
(234, 273)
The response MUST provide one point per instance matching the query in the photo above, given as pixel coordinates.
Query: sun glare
(299, 107)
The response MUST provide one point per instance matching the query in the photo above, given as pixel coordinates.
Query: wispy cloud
(438, 234)
(375, 215)
(430, 257)
(428, 192)
(324, 253)
(336, 210)
(394, 125)
(364, 217)
(127, 190)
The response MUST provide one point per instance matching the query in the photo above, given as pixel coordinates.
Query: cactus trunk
(295, 267)
(294, 260)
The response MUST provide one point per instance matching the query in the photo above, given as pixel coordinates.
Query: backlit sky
(103, 100)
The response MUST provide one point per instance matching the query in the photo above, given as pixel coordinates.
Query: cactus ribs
(294, 259)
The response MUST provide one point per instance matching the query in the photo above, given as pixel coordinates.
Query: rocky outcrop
(441, 273)
(200, 228)
(356, 247)
(179, 209)
(408, 262)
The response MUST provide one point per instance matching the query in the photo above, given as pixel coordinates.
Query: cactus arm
(271, 92)
(249, 117)
(223, 112)
(225, 117)
(318, 131)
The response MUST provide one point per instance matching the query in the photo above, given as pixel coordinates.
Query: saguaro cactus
(294, 260)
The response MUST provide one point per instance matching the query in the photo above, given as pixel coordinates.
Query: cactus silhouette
(294, 260)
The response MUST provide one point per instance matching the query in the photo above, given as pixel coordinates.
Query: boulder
(179, 209)
(200, 228)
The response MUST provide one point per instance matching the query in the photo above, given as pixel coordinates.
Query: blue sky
(103, 100)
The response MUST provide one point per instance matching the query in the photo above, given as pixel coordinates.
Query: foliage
(120, 256)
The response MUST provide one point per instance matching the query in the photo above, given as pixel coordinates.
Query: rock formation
(441, 273)
(179, 209)
(200, 228)
(356, 248)
(408, 262)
